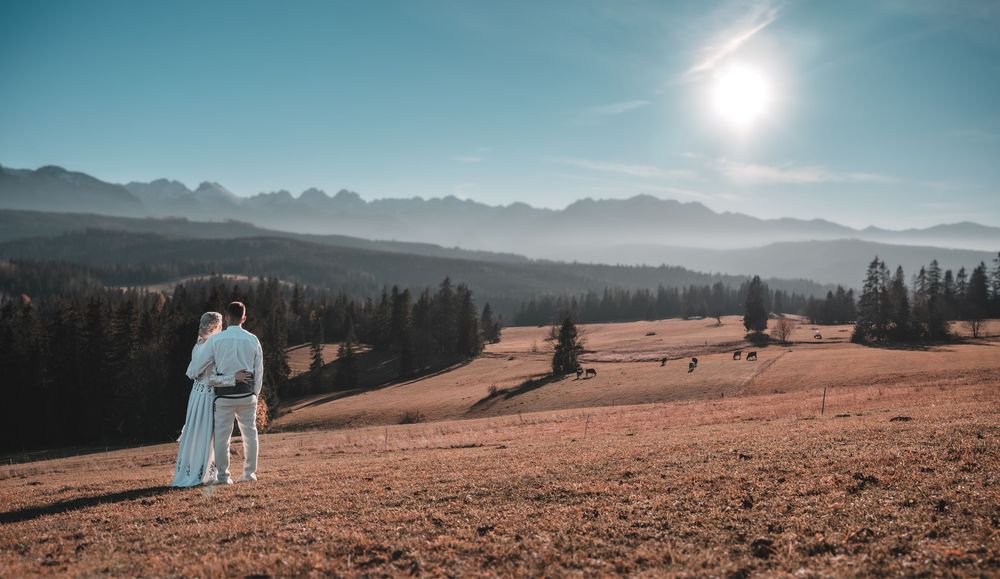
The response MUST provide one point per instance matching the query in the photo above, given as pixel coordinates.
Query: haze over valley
(641, 230)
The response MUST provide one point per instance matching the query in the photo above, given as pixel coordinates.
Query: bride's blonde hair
(209, 321)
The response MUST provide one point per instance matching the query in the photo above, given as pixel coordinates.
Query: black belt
(237, 391)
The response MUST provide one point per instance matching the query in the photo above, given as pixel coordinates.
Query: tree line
(108, 366)
(889, 310)
(91, 365)
(432, 328)
(623, 305)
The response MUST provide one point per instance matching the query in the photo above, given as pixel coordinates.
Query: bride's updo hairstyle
(210, 321)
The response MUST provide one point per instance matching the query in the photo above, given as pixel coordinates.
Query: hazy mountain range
(449, 221)
(638, 230)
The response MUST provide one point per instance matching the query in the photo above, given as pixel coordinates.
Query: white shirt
(231, 350)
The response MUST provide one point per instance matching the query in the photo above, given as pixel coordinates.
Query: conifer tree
(347, 363)
(755, 311)
(900, 327)
(873, 311)
(469, 343)
(316, 352)
(568, 346)
(489, 327)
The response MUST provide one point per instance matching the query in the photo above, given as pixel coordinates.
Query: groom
(232, 350)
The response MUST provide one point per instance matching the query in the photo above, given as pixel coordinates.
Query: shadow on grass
(916, 346)
(415, 377)
(522, 388)
(31, 513)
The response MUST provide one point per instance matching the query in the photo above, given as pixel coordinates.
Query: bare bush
(263, 414)
(975, 327)
(412, 417)
(783, 328)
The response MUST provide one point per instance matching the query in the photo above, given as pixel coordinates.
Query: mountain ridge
(448, 221)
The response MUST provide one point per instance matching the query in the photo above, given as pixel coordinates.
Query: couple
(223, 390)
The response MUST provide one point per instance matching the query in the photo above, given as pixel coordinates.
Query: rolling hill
(503, 284)
(826, 262)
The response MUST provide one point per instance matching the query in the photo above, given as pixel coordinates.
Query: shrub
(412, 417)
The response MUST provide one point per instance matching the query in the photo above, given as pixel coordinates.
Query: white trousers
(244, 410)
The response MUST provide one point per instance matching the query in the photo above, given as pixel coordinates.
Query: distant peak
(211, 189)
(314, 193)
(345, 195)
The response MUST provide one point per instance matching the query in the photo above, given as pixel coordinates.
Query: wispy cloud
(727, 43)
(630, 169)
(612, 109)
(758, 174)
(600, 113)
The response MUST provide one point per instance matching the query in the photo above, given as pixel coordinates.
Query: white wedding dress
(196, 457)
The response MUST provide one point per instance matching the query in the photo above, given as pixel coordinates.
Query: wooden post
(386, 444)
(585, 426)
(823, 407)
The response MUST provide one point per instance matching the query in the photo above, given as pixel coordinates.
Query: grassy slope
(709, 487)
(629, 372)
(751, 484)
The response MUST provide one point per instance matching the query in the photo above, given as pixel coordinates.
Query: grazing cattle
(751, 356)
(579, 372)
(818, 336)
(590, 372)
(691, 366)
(663, 362)
(737, 354)
(695, 362)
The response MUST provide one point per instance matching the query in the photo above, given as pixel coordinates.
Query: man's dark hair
(235, 311)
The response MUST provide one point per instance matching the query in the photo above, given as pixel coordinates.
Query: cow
(695, 362)
(817, 336)
(751, 356)
(590, 372)
(737, 354)
(691, 367)
(579, 372)
(663, 362)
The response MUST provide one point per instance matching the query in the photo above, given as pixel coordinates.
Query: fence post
(585, 426)
(822, 409)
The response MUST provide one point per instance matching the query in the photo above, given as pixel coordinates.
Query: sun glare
(741, 95)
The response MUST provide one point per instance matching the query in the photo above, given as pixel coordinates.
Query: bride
(195, 457)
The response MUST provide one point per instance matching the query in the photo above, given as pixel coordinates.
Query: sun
(741, 95)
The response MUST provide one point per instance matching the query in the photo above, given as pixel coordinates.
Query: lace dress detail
(196, 458)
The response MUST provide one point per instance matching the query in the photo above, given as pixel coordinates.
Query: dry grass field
(729, 471)
(627, 361)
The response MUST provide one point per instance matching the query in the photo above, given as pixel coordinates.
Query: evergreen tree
(931, 315)
(900, 328)
(469, 343)
(873, 306)
(755, 311)
(423, 334)
(568, 346)
(961, 288)
(977, 297)
(316, 353)
(347, 363)
(996, 285)
(445, 315)
(489, 327)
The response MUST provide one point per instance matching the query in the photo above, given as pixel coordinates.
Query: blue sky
(878, 112)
